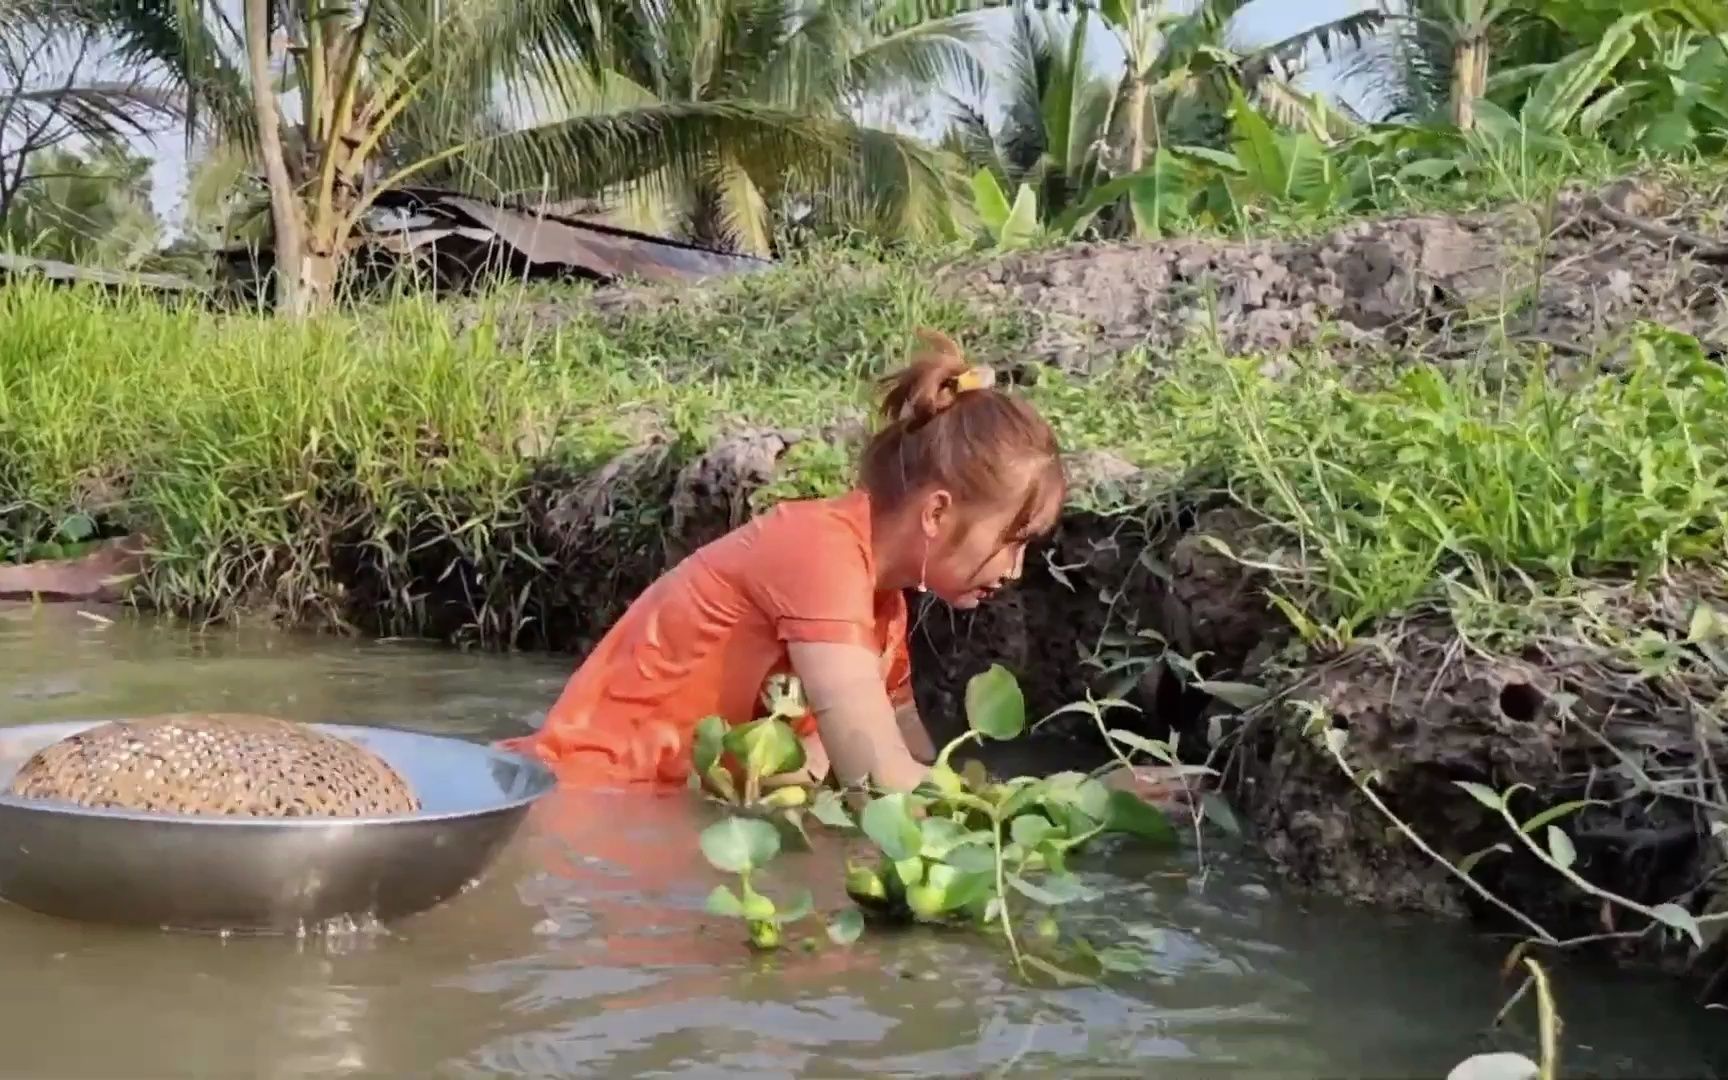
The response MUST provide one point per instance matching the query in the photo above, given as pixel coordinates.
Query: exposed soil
(1132, 569)
(1571, 274)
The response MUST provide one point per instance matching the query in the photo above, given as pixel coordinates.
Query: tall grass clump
(245, 446)
(1485, 481)
(272, 462)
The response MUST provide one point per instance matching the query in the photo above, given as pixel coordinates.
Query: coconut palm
(1436, 58)
(50, 100)
(826, 60)
(1054, 132)
(92, 210)
(719, 107)
(1179, 66)
(1069, 128)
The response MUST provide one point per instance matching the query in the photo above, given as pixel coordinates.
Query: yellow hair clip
(977, 377)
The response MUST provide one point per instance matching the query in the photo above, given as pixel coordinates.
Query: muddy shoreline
(1137, 595)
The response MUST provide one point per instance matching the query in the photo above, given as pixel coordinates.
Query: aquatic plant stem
(1581, 882)
(1548, 1022)
(1410, 834)
(1002, 897)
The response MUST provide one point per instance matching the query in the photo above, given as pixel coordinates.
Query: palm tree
(1055, 129)
(718, 106)
(1437, 58)
(1174, 61)
(89, 210)
(827, 61)
(49, 100)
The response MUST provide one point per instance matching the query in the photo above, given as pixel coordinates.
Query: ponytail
(945, 424)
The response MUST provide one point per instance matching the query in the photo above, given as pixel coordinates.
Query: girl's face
(974, 554)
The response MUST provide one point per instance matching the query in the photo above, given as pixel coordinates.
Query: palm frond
(743, 216)
(1345, 36)
(192, 46)
(937, 53)
(669, 144)
(899, 187)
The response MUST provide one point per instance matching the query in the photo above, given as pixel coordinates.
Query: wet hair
(987, 446)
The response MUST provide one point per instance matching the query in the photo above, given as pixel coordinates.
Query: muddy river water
(586, 951)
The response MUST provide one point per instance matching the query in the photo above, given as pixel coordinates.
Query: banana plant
(1006, 226)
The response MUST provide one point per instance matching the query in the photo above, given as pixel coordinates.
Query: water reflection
(587, 952)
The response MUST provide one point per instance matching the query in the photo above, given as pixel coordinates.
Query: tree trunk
(285, 211)
(1469, 80)
(1134, 120)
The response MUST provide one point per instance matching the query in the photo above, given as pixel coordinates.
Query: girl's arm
(858, 724)
(915, 734)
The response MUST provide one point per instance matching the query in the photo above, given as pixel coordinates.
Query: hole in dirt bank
(1521, 702)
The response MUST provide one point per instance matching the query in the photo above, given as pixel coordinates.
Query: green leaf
(888, 822)
(1680, 919)
(909, 871)
(1705, 624)
(1120, 960)
(1118, 13)
(740, 845)
(941, 835)
(846, 927)
(947, 889)
(1256, 146)
(1217, 808)
(1555, 813)
(830, 810)
(1093, 799)
(972, 858)
(1157, 750)
(1555, 101)
(990, 201)
(975, 776)
(76, 528)
(1468, 862)
(1054, 890)
(995, 707)
(709, 741)
(723, 902)
(946, 780)
(1428, 169)
(1029, 830)
(1240, 696)
(802, 904)
(1482, 794)
(1128, 813)
(1605, 109)
(1560, 848)
(766, 747)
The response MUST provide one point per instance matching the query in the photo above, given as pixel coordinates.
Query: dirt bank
(1574, 273)
(1144, 589)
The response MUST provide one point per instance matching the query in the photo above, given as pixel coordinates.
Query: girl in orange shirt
(957, 481)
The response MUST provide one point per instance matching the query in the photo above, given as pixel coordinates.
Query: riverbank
(1428, 500)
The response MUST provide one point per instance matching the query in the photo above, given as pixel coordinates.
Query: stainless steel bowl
(266, 875)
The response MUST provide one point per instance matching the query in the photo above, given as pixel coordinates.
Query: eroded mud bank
(1138, 593)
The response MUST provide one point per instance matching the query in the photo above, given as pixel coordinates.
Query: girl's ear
(935, 508)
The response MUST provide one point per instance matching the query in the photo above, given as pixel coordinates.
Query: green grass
(247, 447)
(1493, 481)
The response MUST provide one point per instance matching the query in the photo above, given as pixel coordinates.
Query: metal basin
(265, 875)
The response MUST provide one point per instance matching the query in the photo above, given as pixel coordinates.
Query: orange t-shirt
(704, 639)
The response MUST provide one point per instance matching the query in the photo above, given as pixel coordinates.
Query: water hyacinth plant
(962, 849)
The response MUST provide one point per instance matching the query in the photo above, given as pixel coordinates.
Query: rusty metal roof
(552, 240)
